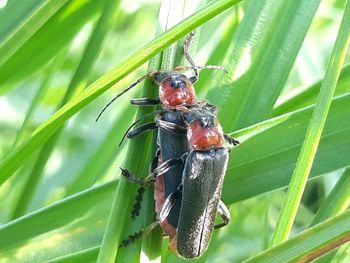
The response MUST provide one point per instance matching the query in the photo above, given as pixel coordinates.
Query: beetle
(177, 96)
(187, 214)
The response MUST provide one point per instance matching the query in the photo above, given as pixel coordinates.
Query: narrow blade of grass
(103, 156)
(313, 134)
(78, 82)
(337, 202)
(48, 41)
(27, 28)
(48, 76)
(38, 138)
(261, 55)
(309, 95)
(309, 244)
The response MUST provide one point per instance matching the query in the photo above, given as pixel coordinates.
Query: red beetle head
(175, 90)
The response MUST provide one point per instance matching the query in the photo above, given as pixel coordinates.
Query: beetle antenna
(148, 75)
(182, 68)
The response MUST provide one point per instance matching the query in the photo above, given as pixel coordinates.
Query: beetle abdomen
(202, 183)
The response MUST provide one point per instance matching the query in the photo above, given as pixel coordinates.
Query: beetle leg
(170, 127)
(141, 129)
(224, 213)
(138, 199)
(231, 140)
(134, 179)
(145, 102)
(143, 182)
(187, 43)
(167, 165)
(152, 114)
(163, 214)
(161, 169)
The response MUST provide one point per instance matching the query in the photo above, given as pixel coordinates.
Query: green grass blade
(337, 202)
(313, 134)
(48, 41)
(16, 159)
(48, 76)
(260, 58)
(208, 79)
(103, 156)
(309, 95)
(260, 165)
(88, 255)
(263, 164)
(21, 34)
(78, 81)
(73, 224)
(309, 244)
(14, 14)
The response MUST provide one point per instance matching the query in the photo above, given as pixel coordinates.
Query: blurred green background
(263, 47)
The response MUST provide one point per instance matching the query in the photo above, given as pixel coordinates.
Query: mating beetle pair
(190, 166)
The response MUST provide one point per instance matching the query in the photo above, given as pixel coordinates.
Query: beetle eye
(177, 83)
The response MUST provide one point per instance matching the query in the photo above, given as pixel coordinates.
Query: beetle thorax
(205, 133)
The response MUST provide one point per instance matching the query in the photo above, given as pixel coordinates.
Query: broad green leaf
(308, 95)
(309, 244)
(70, 225)
(34, 20)
(258, 166)
(45, 44)
(260, 58)
(267, 157)
(19, 155)
(313, 134)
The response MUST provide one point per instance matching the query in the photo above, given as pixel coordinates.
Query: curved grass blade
(269, 150)
(313, 134)
(309, 95)
(14, 14)
(260, 165)
(78, 82)
(336, 202)
(260, 58)
(17, 37)
(48, 76)
(48, 41)
(38, 138)
(311, 243)
(104, 155)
